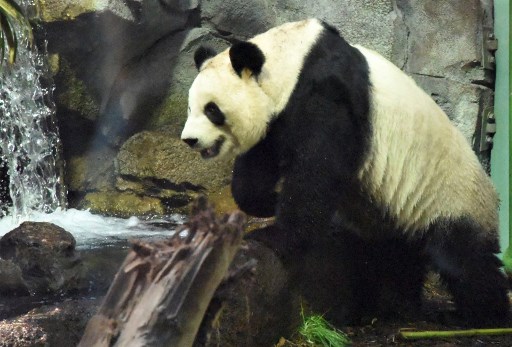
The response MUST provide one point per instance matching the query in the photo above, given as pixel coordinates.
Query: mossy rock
(173, 110)
(162, 158)
(74, 94)
(92, 171)
(121, 204)
(223, 201)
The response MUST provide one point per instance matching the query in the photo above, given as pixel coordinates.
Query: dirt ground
(438, 314)
(387, 333)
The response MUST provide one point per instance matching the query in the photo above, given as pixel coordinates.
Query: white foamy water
(91, 230)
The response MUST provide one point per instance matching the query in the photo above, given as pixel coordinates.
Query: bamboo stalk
(436, 334)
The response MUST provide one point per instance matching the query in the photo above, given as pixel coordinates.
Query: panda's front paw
(276, 239)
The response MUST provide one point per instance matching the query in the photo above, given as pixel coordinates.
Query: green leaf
(11, 17)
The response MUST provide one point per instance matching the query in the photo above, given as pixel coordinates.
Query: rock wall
(122, 70)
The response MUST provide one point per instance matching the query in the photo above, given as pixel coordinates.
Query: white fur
(248, 102)
(420, 166)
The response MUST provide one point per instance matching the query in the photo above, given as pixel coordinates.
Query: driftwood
(162, 290)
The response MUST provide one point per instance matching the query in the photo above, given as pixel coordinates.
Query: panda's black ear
(246, 55)
(203, 53)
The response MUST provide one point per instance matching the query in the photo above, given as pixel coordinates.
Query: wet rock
(122, 204)
(59, 325)
(45, 254)
(22, 334)
(180, 5)
(11, 280)
(93, 171)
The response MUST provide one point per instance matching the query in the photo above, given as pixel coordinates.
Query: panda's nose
(190, 141)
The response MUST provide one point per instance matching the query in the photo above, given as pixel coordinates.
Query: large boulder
(46, 256)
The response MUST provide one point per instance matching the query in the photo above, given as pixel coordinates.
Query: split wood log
(162, 290)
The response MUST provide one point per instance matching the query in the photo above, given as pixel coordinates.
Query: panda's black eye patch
(214, 114)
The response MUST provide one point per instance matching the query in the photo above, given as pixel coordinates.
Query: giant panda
(350, 139)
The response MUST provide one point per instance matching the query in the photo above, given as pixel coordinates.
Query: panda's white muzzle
(208, 152)
(213, 151)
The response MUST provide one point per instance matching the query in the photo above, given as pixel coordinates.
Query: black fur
(317, 144)
(203, 53)
(246, 55)
(466, 259)
(214, 114)
(255, 175)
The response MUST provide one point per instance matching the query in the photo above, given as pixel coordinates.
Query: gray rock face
(45, 255)
(125, 63)
(241, 19)
(442, 35)
(444, 54)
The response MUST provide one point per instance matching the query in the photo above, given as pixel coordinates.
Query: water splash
(94, 231)
(29, 140)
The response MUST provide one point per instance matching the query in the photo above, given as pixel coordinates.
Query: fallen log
(162, 290)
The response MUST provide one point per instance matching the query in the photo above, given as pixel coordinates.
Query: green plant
(318, 332)
(11, 17)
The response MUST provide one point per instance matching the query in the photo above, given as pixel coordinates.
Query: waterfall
(30, 148)
(29, 139)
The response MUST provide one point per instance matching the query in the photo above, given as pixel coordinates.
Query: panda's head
(228, 112)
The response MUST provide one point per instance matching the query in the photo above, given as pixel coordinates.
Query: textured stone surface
(442, 34)
(241, 18)
(91, 171)
(173, 109)
(125, 64)
(53, 10)
(443, 50)
(156, 155)
(45, 253)
(58, 325)
(11, 280)
(120, 204)
(368, 22)
(462, 102)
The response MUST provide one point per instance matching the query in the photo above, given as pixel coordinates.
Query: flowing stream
(30, 149)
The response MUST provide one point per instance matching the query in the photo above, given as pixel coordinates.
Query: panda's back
(419, 166)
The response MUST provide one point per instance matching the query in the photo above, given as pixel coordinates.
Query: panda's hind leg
(466, 259)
